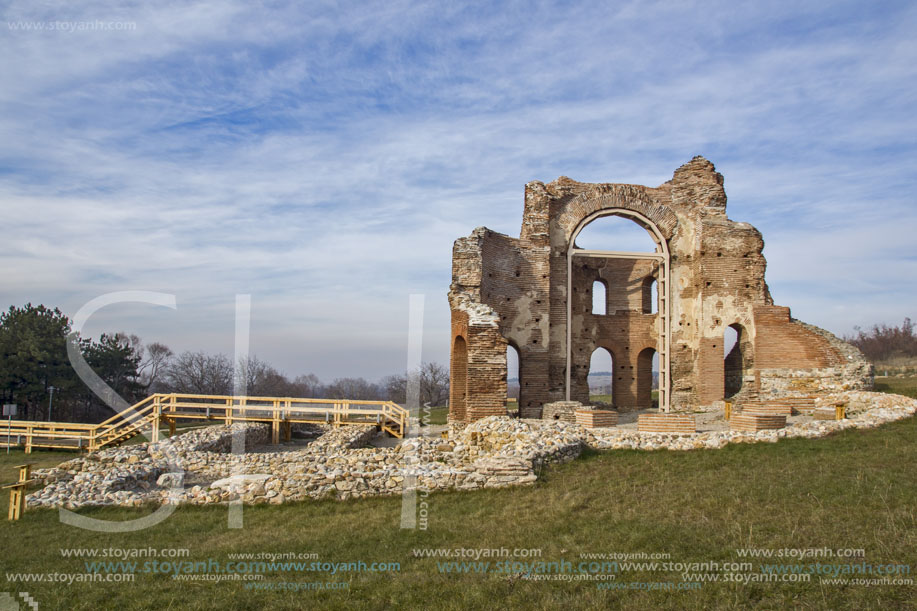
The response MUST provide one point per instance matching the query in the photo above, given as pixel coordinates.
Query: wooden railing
(63, 435)
(149, 414)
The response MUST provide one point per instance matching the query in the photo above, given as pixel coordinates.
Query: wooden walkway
(164, 410)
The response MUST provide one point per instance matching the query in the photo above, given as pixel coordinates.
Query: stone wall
(134, 474)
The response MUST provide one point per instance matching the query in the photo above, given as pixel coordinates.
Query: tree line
(883, 343)
(34, 359)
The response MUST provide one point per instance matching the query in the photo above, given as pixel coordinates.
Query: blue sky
(323, 157)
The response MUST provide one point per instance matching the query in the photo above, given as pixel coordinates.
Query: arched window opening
(650, 295)
(601, 377)
(599, 298)
(513, 381)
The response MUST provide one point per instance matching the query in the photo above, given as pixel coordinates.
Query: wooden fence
(167, 409)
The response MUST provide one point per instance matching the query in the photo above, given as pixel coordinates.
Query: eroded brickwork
(514, 291)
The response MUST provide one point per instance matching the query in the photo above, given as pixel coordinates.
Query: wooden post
(17, 501)
(171, 427)
(25, 471)
(287, 425)
(157, 414)
(28, 440)
(275, 422)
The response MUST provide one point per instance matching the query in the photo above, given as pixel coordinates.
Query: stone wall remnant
(535, 294)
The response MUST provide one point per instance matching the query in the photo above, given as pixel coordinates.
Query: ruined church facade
(670, 306)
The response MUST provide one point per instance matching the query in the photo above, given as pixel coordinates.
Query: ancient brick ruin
(709, 273)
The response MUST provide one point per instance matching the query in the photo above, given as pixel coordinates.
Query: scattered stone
(492, 452)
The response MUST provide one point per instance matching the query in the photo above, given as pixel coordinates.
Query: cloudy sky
(323, 157)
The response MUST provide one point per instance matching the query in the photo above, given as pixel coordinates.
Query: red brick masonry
(666, 423)
(786, 406)
(752, 423)
(597, 418)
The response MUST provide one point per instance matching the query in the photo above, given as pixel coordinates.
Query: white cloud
(324, 159)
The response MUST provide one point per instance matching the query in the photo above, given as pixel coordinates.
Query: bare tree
(352, 388)
(261, 379)
(155, 360)
(306, 386)
(152, 358)
(395, 388)
(433, 379)
(434, 384)
(200, 373)
(882, 343)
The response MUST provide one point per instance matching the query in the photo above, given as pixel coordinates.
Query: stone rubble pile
(129, 475)
(198, 467)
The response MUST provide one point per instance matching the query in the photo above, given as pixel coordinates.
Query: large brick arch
(633, 204)
(619, 198)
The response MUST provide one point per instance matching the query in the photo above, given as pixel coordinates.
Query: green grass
(436, 415)
(900, 386)
(855, 489)
(42, 459)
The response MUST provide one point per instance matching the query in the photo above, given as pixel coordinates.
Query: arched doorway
(647, 378)
(738, 359)
(601, 376)
(513, 380)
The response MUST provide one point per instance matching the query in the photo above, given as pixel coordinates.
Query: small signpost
(9, 410)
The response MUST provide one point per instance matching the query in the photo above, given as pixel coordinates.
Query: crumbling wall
(514, 291)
